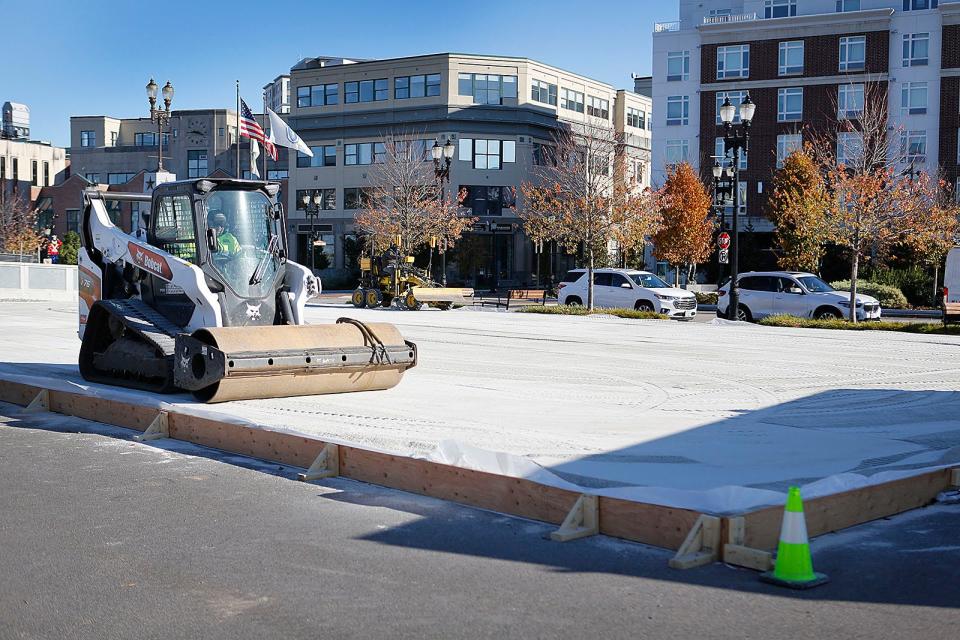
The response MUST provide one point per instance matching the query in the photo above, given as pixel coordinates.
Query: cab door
(172, 230)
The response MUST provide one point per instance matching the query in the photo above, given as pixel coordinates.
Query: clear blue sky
(93, 58)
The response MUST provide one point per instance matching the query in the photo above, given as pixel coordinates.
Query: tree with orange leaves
(686, 232)
(797, 207)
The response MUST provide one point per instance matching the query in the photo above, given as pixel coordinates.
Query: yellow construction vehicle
(204, 299)
(392, 280)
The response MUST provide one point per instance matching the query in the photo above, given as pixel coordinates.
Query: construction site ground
(706, 416)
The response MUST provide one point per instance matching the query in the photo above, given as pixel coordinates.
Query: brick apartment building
(804, 62)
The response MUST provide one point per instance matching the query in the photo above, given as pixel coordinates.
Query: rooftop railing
(740, 17)
(661, 27)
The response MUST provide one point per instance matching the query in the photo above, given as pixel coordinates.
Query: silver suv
(795, 293)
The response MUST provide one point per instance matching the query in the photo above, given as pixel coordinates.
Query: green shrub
(577, 310)
(889, 297)
(706, 298)
(70, 248)
(902, 327)
(915, 282)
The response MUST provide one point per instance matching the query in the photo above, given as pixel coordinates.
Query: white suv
(630, 289)
(767, 293)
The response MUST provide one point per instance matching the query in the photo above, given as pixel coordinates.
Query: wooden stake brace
(157, 429)
(327, 464)
(701, 546)
(583, 520)
(735, 553)
(39, 404)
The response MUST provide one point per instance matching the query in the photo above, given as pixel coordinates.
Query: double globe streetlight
(442, 158)
(159, 116)
(311, 205)
(735, 140)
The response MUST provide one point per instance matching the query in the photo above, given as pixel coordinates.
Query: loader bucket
(451, 295)
(242, 363)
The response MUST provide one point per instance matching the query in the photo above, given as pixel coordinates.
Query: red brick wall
(949, 122)
(951, 46)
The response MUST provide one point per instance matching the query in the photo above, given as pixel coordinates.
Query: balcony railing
(740, 17)
(661, 27)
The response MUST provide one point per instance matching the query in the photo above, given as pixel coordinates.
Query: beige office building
(498, 111)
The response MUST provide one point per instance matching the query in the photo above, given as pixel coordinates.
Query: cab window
(173, 229)
(601, 279)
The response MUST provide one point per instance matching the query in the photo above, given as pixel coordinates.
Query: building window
(34, 173)
(677, 151)
(323, 156)
(88, 138)
(848, 5)
(779, 8)
(598, 108)
(787, 144)
(636, 118)
(46, 173)
(92, 178)
(73, 220)
(487, 154)
(328, 198)
(196, 163)
(917, 5)
(278, 174)
(487, 88)
(678, 66)
(364, 153)
(416, 86)
(720, 151)
(3, 168)
(791, 57)
(544, 155)
(357, 198)
(849, 101)
(571, 100)
(147, 139)
(853, 53)
(120, 178)
(733, 61)
(15, 166)
(913, 98)
(366, 91)
(849, 146)
(678, 110)
(736, 97)
(790, 104)
(916, 49)
(487, 201)
(915, 146)
(318, 95)
(544, 92)
(220, 132)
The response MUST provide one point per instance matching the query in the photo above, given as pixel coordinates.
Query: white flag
(283, 136)
(254, 156)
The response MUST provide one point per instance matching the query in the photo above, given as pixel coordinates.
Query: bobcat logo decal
(253, 311)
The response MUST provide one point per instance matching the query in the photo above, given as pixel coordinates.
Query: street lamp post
(736, 140)
(159, 116)
(722, 192)
(311, 204)
(442, 158)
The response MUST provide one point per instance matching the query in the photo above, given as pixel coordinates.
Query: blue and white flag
(283, 136)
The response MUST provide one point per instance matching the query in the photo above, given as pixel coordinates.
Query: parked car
(951, 287)
(767, 293)
(630, 289)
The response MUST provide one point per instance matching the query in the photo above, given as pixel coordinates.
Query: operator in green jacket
(227, 241)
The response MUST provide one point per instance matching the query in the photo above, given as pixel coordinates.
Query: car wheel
(644, 305)
(743, 314)
(827, 313)
(573, 301)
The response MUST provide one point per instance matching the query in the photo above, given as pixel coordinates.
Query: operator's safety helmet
(217, 219)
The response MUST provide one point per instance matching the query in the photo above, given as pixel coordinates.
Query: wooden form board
(651, 524)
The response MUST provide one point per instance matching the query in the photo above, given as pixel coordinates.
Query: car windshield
(649, 281)
(814, 284)
(241, 222)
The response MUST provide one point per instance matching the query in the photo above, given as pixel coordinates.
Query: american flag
(251, 128)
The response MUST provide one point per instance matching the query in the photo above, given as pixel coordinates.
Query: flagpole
(266, 125)
(238, 129)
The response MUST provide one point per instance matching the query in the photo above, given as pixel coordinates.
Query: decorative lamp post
(159, 116)
(311, 204)
(442, 159)
(722, 193)
(735, 141)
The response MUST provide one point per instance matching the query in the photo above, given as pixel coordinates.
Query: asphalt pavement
(102, 537)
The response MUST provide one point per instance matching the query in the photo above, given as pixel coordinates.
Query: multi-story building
(806, 65)
(498, 111)
(277, 94)
(28, 165)
(107, 150)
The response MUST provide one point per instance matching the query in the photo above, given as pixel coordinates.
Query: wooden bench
(529, 295)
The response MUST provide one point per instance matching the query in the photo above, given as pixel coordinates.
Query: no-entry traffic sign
(724, 240)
